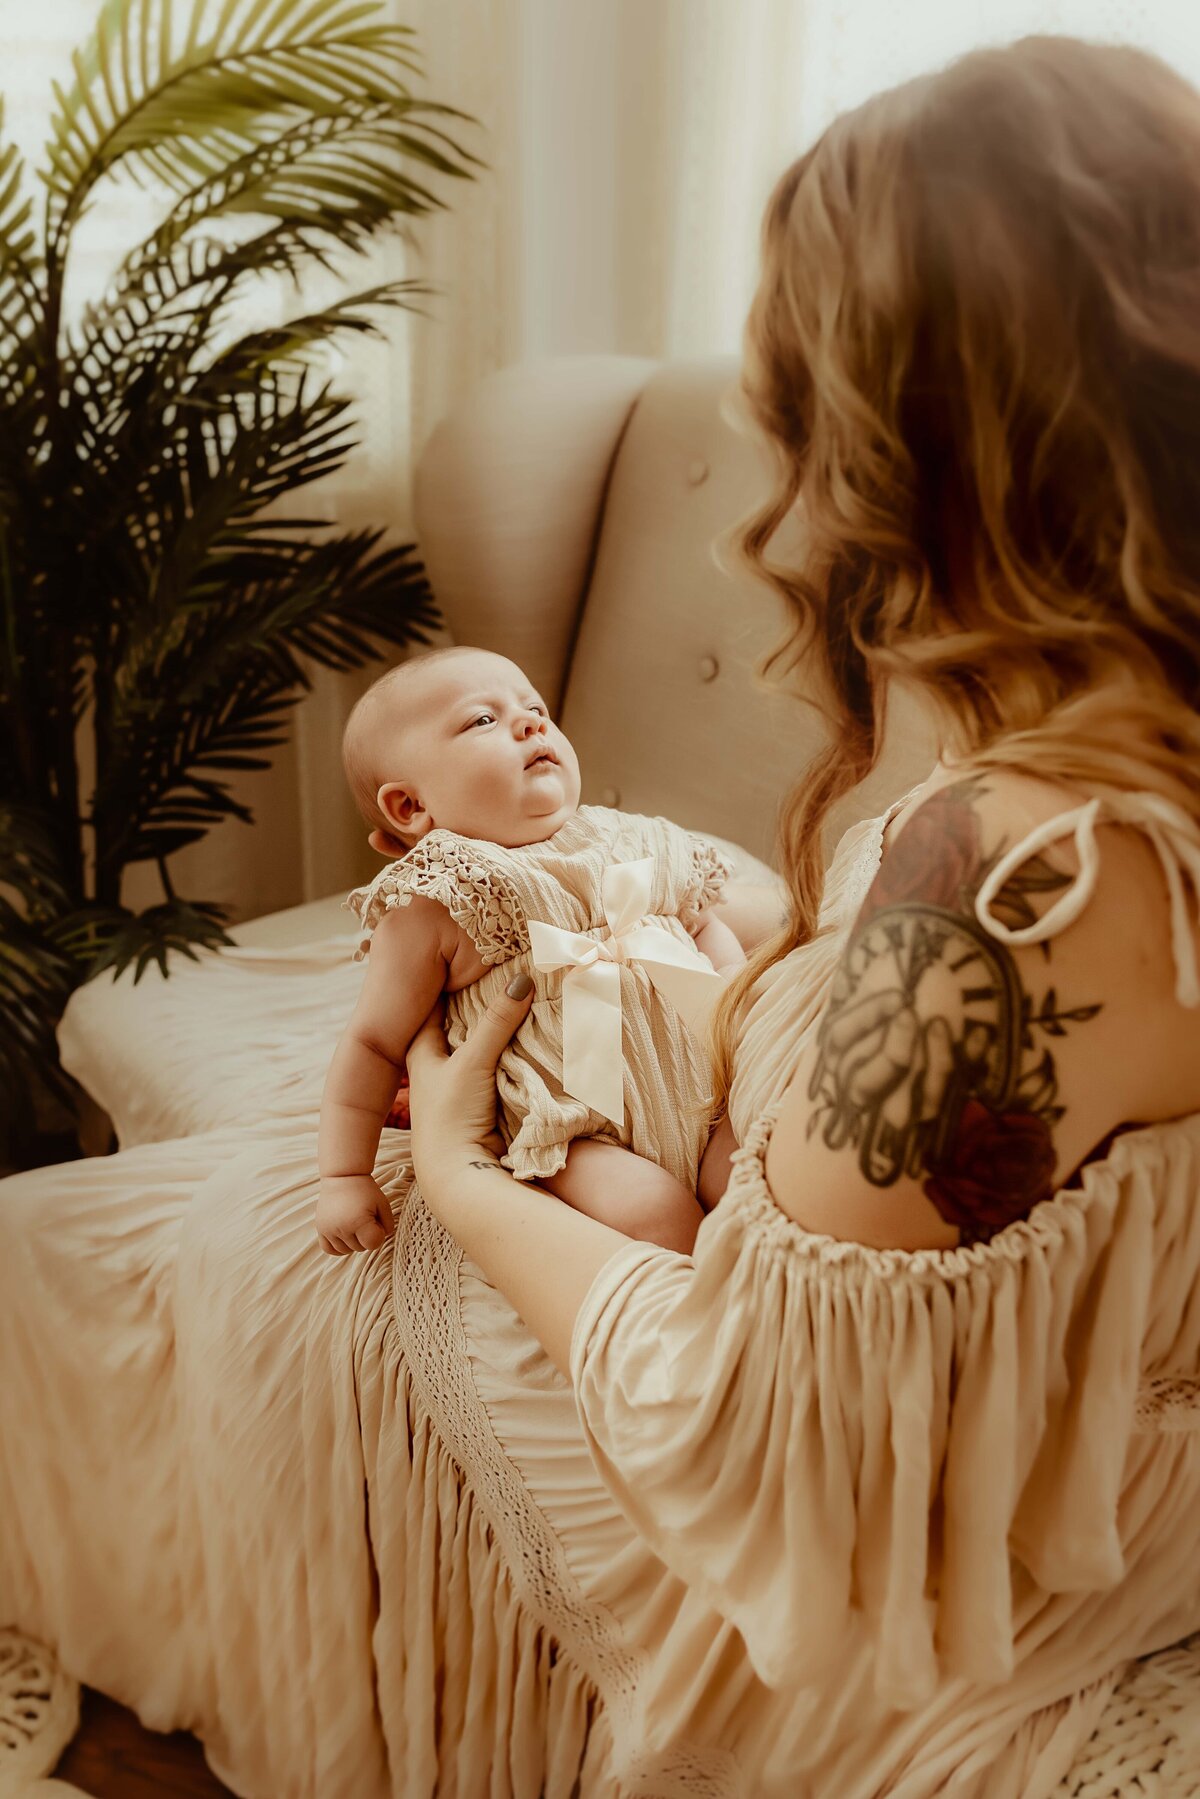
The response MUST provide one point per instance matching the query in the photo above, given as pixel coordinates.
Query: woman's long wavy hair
(975, 350)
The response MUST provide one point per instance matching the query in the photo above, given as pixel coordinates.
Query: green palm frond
(281, 348)
(328, 183)
(176, 926)
(20, 261)
(212, 692)
(179, 109)
(30, 862)
(21, 294)
(157, 593)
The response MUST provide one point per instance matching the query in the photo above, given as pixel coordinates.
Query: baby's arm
(714, 939)
(629, 1193)
(406, 970)
(752, 910)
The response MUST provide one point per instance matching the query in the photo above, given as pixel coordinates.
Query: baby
(455, 755)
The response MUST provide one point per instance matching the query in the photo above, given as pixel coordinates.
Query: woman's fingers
(429, 1044)
(498, 1023)
(454, 1096)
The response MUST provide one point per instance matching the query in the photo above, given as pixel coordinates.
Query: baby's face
(471, 748)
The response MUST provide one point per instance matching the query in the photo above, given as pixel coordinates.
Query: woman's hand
(453, 1097)
(513, 1231)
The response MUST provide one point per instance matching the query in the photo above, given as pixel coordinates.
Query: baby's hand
(352, 1213)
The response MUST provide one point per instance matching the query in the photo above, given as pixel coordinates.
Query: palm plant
(155, 600)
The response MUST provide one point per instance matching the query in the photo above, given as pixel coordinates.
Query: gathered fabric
(912, 1476)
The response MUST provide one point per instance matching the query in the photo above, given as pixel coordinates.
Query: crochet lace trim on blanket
(430, 1332)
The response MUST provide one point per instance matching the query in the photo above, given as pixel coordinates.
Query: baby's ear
(402, 809)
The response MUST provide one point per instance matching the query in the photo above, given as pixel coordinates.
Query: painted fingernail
(519, 986)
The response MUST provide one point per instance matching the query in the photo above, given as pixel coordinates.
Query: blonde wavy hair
(975, 352)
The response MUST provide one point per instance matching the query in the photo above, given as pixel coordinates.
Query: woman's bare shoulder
(954, 1079)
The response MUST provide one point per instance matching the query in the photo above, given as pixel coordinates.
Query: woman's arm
(901, 1128)
(953, 1080)
(542, 1255)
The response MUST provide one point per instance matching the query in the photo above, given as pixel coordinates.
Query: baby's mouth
(543, 759)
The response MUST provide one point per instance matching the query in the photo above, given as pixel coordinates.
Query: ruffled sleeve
(451, 870)
(826, 1441)
(711, 869)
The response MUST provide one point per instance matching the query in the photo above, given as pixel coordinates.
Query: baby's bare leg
(629, 1193)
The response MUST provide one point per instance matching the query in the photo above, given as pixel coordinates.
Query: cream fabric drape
(630, 149)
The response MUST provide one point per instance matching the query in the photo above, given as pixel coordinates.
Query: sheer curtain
(748, 84)
(630, 147)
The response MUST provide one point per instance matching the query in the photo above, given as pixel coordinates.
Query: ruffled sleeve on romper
(475, 894)
(819, 1437)
(712, 869)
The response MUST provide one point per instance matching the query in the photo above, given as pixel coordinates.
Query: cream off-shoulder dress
(492, 893)
(827, 1522)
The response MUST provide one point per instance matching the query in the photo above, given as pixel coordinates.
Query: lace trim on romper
(446, 868)
(712, 870)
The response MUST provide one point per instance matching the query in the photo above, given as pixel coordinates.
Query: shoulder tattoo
(934, 1060)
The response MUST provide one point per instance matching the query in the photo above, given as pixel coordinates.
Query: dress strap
(1175, 837)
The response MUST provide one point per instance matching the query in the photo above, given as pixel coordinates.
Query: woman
(884, 1430)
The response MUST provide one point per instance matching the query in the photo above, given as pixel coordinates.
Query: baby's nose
(530, 724)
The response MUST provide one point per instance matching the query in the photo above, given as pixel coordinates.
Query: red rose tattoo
(932, 1061)
(1000, 1166)
(936, 858)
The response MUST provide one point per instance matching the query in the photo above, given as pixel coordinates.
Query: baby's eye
(483, 718)
(540, 710)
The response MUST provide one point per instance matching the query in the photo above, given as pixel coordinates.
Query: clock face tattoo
(932, 1059)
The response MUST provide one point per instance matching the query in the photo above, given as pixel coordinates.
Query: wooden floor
(113, 1757)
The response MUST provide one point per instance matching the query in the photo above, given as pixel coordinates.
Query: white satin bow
(593, 1064)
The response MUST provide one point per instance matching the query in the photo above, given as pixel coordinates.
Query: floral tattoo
(933, 1059)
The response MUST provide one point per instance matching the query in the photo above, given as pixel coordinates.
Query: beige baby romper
(491, 893)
